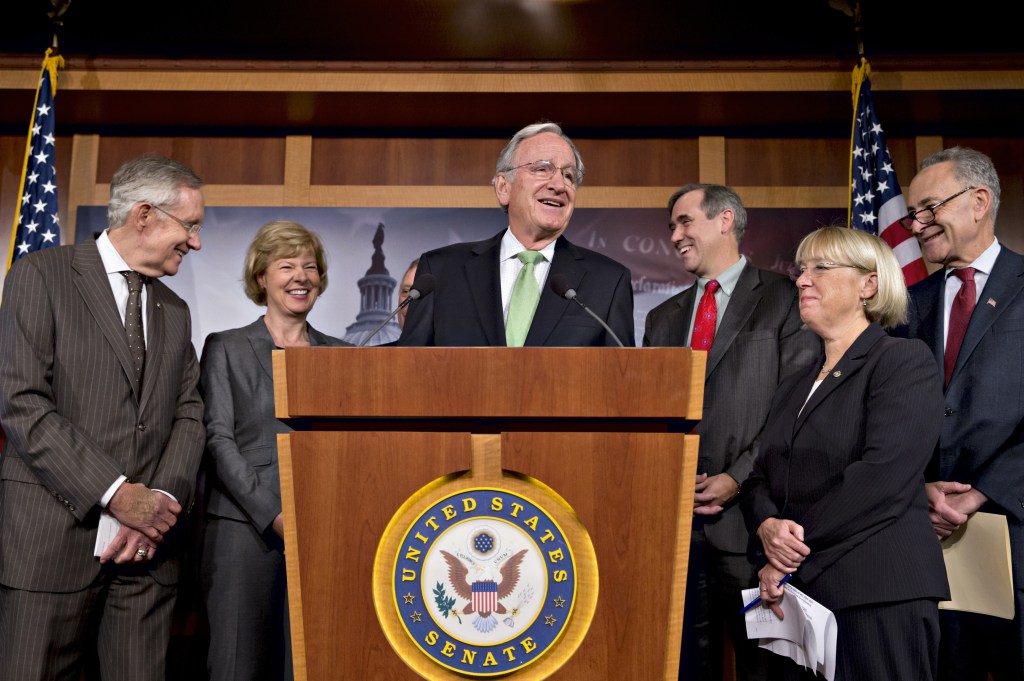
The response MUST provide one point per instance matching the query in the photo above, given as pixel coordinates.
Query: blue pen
(757, 599)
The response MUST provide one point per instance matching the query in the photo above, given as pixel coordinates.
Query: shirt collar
(984, 262)
(112, 260)
(511, 247)
(728, 279)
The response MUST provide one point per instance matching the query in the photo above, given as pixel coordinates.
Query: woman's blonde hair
(867, 252)
(276, 240)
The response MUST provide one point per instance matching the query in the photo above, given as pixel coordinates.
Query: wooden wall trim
(298, 165)
(450, 82)
(711, 159)
(85, 155)
(397, 196)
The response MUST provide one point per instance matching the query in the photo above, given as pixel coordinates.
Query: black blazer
(465, 308)
(850, 469)
(759, 341)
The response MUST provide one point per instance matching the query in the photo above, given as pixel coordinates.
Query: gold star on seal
(550, 620)
(409, 598)
(559, 602)
(416, 617)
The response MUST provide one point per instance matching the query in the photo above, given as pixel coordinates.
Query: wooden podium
(604, 428)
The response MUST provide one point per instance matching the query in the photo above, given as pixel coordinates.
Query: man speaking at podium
(494, 292)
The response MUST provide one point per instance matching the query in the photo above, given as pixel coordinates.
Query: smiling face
(706, 245)
(162, 242)
(538, 209)
(832, 295)
(963, 227)
(292, 285)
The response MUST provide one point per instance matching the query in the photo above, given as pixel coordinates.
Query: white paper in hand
(807, 635)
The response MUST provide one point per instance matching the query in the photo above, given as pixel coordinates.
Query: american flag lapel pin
(990, 302)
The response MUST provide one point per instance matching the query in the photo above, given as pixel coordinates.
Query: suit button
(948, 411)
(141, 427)
(71, 507)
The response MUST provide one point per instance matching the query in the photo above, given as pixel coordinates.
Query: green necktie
(525, 296)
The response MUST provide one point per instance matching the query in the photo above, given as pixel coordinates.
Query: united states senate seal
(484, 581)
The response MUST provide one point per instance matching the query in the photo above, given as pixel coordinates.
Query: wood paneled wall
(292, 166)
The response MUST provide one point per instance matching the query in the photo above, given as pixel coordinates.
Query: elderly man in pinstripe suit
(99, 437)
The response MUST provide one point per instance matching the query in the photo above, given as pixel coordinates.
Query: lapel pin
(837, 374)
(990, 302)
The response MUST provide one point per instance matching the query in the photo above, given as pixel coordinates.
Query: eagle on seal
(484, 595)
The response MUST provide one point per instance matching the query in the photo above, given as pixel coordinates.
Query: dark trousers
(119, 627)
(243, 577)
(885, 641)
(974, 646)
(713, 603)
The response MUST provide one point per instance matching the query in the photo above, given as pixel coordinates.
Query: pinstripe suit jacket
(850, 468)
(74, 420)
(759, 341)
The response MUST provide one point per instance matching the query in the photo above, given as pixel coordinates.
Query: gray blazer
(759, 341)
(238, 387)
(74, 420)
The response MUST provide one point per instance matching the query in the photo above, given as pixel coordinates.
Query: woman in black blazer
(242, 565)
(837, 492)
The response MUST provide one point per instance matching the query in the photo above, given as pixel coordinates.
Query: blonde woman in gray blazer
(242, 564)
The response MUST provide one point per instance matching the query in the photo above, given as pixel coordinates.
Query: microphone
(423, 286)
(563, 289)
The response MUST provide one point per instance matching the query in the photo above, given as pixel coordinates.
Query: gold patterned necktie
(133, 322)
(525, 296)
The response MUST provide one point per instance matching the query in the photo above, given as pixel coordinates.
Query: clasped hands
(146, 516)
(783, 543)
(950, 504)
(713, 493)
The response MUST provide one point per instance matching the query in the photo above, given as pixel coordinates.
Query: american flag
(876, 202)
(36, 224)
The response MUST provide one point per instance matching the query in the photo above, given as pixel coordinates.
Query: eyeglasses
(820, 268)
(192, 229)
(545, 170)
(926, 215)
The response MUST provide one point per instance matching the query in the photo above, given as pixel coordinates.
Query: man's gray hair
(152, 179)
(717, 198)
(972, 168)
(506, 159)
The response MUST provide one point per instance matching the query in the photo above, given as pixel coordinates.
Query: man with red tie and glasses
(971, 313)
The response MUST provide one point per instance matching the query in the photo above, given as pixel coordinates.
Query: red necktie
(707, 314)
(959, 316)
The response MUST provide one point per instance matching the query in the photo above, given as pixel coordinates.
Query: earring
(864, 303)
